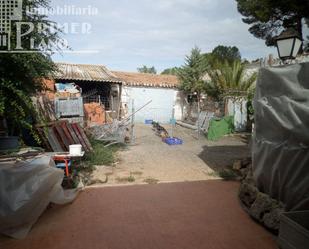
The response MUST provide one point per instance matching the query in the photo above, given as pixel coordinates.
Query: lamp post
(288, 44)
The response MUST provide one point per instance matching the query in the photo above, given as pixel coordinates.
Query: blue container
(62, 165)
(148, 121)
(173, 141)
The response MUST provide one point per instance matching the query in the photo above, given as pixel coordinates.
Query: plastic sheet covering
(26, 189)
(281, 144)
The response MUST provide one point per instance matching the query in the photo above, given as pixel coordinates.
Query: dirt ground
(150, 160)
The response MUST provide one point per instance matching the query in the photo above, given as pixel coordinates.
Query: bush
(101, 155)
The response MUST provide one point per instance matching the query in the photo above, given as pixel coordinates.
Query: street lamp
(288, 44)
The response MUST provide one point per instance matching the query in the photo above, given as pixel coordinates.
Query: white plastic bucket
(75, 149)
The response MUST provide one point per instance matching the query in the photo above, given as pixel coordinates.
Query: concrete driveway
(190, 215)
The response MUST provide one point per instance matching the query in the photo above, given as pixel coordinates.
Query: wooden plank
(53, 141)
(80, 138)
(70, 129)
(67, 133)
(48, 124)
(44, 139)
(84, 136)
(62, 137)
(58, 137)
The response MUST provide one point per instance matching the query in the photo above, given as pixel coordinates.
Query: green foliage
(16, 106)
(100, 155)
(230, 80)
(192, 73)
(226, 174)
(267, 18)
(21, 74)
(221, 54)
(250, 107)
(171, 71)
(126, 179)
(145, 69)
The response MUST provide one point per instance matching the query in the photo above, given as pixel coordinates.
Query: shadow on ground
(223, 156)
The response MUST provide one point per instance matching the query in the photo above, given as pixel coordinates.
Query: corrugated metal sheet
(85, 72)
(69, 107)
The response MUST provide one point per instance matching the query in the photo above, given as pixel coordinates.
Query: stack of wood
(58, 136)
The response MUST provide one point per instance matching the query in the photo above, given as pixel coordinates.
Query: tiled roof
(148, 80)
(85, 72)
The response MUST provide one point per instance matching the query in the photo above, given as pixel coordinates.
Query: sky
(126, 34)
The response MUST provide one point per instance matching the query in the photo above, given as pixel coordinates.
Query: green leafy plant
(192, 73)
(145, 69)
(17, 108)
(22, 74)
(230, 80)
(100, 155)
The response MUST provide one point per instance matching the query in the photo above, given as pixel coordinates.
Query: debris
(116, 132)
(58, 136)
(37, 182)
(160, 130)
(201, 124)
(237, 165)
(130, 179)
(260, 206)
(248, 194)
(95, 114)
(151, 181)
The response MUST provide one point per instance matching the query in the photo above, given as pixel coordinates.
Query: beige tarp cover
(281, 143)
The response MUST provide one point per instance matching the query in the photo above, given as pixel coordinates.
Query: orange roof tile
(147, 80)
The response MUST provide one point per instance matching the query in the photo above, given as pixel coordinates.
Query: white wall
(238, 109)
(161, 107)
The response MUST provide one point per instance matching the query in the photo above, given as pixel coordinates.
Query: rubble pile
(261, 207)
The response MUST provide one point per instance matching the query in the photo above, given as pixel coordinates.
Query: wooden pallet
(58, 136)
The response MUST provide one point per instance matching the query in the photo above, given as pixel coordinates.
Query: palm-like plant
(231, 80)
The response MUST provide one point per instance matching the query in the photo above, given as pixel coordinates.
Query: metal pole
(172, 123)
(133, 123)
(198, 118)
(128, 118)
(131, 116)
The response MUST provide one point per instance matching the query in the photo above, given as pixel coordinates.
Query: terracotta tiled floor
(178, 215)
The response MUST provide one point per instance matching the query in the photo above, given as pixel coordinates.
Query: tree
(171, 71)
(269, 17)
(230, 81)
(145, 69)
(21, 74)
(192, 73)
(221, 54)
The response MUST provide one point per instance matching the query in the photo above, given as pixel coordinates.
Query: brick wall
(95, 114)
(49, 84)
